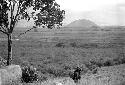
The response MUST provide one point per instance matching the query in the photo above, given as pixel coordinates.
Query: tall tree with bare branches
(43, 12)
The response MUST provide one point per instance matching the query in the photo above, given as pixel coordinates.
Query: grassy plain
(56, 53)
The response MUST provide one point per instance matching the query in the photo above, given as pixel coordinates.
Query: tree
(43, 12)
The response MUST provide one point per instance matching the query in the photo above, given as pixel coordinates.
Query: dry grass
(78, 48)
(113, 75)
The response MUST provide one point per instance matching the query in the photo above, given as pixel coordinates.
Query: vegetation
(44, 12)
(29, 74)
(87, 49)
(52, 60)
(60, 45)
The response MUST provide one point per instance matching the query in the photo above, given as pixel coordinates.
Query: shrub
(119, 60)
(73, 44)
(60, 45)
(108, 63)
(29, 74)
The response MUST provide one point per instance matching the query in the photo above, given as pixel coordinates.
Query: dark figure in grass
(76, 75)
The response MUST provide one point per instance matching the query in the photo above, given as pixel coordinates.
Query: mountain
(82, 23)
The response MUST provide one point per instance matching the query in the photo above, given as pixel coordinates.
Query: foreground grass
(112, 75)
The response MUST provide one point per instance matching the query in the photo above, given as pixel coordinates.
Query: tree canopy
(43, 12)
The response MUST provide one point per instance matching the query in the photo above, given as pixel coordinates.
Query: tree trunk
(9, 59)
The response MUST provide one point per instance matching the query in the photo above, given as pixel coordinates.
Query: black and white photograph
(62, 42)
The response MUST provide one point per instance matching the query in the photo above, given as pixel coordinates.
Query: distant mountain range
(82, 23)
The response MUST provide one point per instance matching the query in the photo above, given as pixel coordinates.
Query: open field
(56, 53)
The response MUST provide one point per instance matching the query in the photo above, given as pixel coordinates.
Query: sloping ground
(113, 75)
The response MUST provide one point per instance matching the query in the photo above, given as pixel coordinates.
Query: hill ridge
(81, 23)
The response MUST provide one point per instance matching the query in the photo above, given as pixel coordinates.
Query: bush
(108, 63)
(60, 45)
(29, 74)
(73, 44)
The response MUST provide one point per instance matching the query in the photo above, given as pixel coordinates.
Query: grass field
(61, 51)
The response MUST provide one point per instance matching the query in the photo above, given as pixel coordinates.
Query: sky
(102, 12)
(86, 5)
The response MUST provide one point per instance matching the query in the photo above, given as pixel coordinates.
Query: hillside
(82, 23)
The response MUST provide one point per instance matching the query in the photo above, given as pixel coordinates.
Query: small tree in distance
(43, 12)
